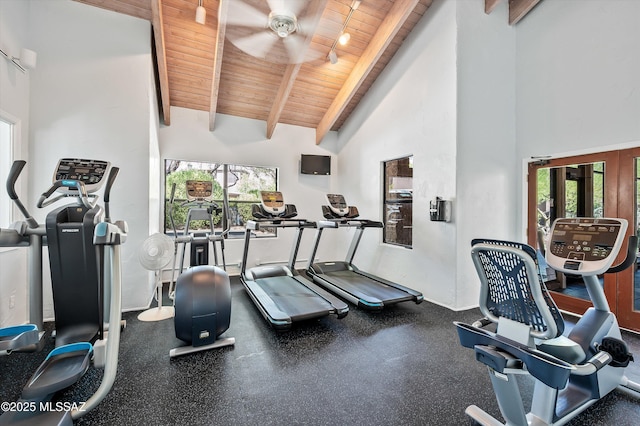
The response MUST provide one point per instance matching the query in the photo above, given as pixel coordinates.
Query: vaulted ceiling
(235, 64)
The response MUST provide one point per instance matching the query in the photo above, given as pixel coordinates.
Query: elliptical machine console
(200, 190)
(89, 172)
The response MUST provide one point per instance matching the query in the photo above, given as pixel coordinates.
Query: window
(6, 158)
(243, 184)
(398, 201)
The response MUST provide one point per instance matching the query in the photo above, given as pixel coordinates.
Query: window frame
(7, 206)
(226, 170)
(404, 199)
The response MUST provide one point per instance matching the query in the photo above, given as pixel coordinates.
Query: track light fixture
(201, 13)
(344, 36)
(26, 61)
(333, 58)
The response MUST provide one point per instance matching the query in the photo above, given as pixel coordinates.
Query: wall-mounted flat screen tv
(315, 164)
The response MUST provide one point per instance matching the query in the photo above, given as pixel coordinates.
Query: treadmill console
(199, 190)
(338, 204)
(585, 246)
(272, 202)
(90, 172)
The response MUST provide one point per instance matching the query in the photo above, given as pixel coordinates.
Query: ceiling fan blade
(296, 49)
(245, 15)
(307, 25)
(291, 6)
(257, 44)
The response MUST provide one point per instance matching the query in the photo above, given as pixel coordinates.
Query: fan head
(156, 252)
(277, 31)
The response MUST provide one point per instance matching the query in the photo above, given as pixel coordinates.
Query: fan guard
(156, 252)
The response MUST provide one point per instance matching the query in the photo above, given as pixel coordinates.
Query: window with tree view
(398, 201)
(243, 184)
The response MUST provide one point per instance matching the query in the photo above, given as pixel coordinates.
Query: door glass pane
(568, 191)
(636, 271)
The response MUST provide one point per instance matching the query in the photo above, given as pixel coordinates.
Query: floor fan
(156, 252)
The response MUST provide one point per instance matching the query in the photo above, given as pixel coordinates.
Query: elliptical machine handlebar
(113, 173)
(14, 173)
(66, 183)
(171, 198)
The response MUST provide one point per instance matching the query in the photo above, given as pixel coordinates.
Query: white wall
(242, 141)
(90, 99)
(486, 139)
(410, 110)
(14, 101)
(578, 78)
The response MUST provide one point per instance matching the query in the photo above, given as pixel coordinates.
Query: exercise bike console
(585, 246)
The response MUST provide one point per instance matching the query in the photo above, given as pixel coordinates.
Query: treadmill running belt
(293, 298)
(364, 287)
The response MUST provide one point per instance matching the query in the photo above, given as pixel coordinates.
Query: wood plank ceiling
(200, 68)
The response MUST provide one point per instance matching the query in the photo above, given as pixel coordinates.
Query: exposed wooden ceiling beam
(158, 37)
(489, 5)
(519, 8)
(217, 61)
(291, 72)
(394, 20)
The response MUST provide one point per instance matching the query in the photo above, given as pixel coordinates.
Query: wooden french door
(596, 185)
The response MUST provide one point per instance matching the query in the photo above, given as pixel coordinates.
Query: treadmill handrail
(360, 223)
(256, 224)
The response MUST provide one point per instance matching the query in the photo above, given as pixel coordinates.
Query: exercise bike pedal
(618, 350)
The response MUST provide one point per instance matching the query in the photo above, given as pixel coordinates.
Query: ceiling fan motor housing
(282, 24)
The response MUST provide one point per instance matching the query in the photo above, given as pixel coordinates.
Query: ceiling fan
(276, 31)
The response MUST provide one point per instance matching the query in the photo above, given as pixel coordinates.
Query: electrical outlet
(12, 301)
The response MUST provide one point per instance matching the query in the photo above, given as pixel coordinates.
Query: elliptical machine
(76, 344)
(201, 208)
(571, 372)
(202, 294)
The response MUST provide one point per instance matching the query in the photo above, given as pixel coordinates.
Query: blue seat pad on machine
(63, 367)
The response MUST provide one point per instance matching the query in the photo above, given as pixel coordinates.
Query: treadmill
(364, 290)
(281, 294)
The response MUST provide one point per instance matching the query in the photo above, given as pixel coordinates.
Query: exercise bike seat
(63, 367)
(563, 348)
(20, 336)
